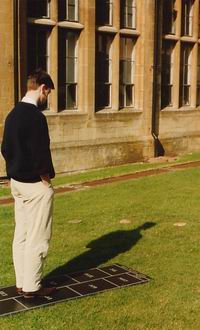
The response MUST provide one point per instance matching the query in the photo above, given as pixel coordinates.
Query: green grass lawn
(170, 255)
(70, 178)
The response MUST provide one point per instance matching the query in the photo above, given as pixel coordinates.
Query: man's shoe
(19, 291)
(42, 292)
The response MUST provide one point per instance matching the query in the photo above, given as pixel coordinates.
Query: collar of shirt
(27, 99)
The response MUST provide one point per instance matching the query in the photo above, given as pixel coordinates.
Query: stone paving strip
(123, 177)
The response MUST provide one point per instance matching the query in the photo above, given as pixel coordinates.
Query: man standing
(26, 150)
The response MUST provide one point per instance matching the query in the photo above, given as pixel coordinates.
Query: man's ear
(42, 88)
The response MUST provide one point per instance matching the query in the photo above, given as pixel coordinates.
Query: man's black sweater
(26, 144)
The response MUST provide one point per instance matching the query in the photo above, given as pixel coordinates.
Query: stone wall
(83, 139)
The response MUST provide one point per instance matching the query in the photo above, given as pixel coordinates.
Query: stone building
(127, 76)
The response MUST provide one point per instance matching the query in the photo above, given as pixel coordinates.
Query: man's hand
(45, 179)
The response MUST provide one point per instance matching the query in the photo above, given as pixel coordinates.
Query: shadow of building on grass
(102, 250)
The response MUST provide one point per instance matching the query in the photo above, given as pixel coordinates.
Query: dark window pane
(185, 73)
(68, 10)
(121, 96)
(187, 17)
(126, 48)
(70, 44)
(186, 95)
(128, 14)
(62, 10)
(70, 69)
(166, 99)
(71, 96)
(102, 95)
(166, 74)
(71, 13)
(61, 96)
(103, 71)
(104, 12)
(126, 96)
(198, 77)
(169, 16)
(129, 21)
(166, 70)
(129, 95)
(67, 63)
(71, 10)
(37, 48)
(126, 71)
(38, 8)
(198, 94)
(126, 62)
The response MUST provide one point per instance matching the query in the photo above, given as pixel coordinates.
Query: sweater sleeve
(41, 153)
(4, 144)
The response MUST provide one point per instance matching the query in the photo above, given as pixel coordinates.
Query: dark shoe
(40, 293)
(19, 291)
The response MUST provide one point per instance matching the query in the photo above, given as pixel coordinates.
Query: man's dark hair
(38, 78)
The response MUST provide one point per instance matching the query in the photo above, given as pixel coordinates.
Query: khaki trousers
(33, 222)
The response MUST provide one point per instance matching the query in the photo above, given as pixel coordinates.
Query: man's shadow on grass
(102, 250)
